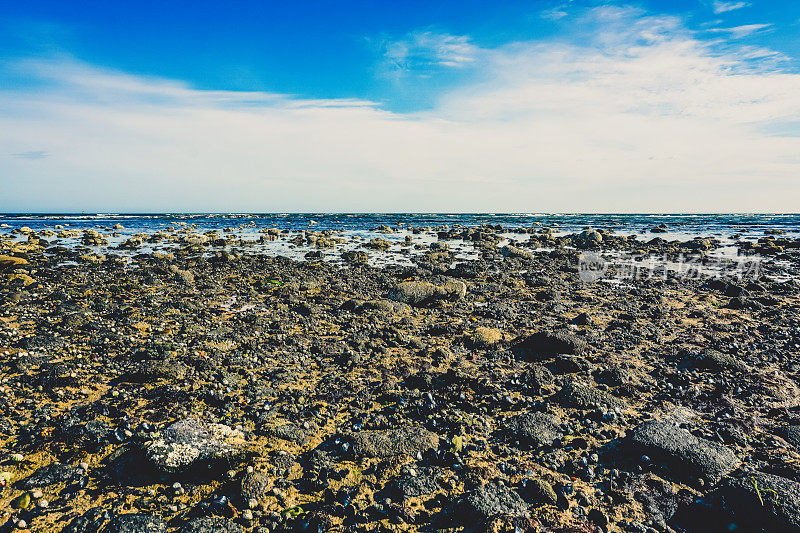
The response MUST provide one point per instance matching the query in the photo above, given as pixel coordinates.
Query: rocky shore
(208, 388)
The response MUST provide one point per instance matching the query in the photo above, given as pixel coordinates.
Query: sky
(535, 106)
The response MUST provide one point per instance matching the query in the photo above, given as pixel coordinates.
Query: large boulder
(545, 344)
(135, 523)
(535, 430)
(9, 262)
(584, 396)
(760, 502)
(191, 441)
(211, 524)
(477, 507)
(406, 440)
(421, 293)
(50, 475)
(683, 453)
(484, 337)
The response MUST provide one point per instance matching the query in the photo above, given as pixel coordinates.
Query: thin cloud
(737, 32)
(426, 50)
(724, 7)
(31, 155)
(555, 13)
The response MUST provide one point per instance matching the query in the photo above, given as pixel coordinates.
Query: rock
(378, 244)
(714, 360)
(582, 396)
(357, 257)
(421, 293)
(183, 276)
(295, 432)
(570, 364)
(484, 337)
(89, 522)
(20, 279)
(483, 503)
(153, 370)
(385, 443)
(513, 251)
(9, 262)
(192, 441)
(92, 434)
(760, 502)
(538, 492)
(792, 435)
(544, 344)
(23, 501)
(588, 239)
(92, 237)
(538, 377)
(50, 475)
(255, 486)
(685, 454)
(211, 524)
(388, 306)
(409, 486)
(658, 497)
(135, 523)
(535, 429)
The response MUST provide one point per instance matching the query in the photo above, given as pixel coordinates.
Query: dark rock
(135, 523)
(535, 429)
(538, 492)
(792, 435)
(50, 475)
(582, 396)
(211, 524)
(538, 377)
(478, 506)
(685, 454)
(715, 360)
(408, 486)
(547, 344)
(255, 486)
(761, 502)
(89, 522)
(405, 440)
(92, 434)
(570, 364)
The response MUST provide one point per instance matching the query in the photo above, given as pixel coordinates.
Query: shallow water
(678, 226)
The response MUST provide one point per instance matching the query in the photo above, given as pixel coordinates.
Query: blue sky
(687, 105)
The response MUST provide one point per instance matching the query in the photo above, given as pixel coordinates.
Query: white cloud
(737, 32)
(555, 13)
(722, 7)
(422, 51)
(641, 116)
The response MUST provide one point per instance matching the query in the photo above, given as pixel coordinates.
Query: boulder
(50, 475)
(545, 344)
(683, 453)
(135, 523)
(406, 440)
(534, 429)
(484, 337)
(477, 507)
(760, 502)
(191, 441)
(211, 524)
(421, 293)
(583, 396)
